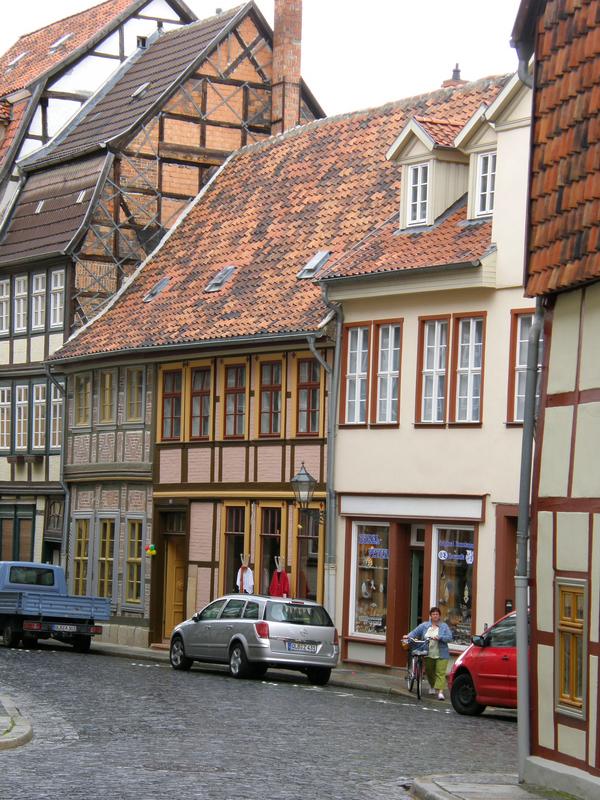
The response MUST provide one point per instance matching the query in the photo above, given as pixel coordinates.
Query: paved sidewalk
(15, 730)
(484, 786)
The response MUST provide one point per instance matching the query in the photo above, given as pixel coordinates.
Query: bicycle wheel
(410, 673)
(418, 676)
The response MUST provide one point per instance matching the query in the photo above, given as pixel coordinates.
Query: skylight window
(39, 207)
(314, 265)
(156, 289)
(140, 90)
(59, 42)
(220, 279)
(81, 196)
(16, 60)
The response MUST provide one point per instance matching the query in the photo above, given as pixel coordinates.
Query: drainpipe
(521, 575)
(330, 507)
(67, 507)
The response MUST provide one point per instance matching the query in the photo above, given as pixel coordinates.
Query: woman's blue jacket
(445, 636)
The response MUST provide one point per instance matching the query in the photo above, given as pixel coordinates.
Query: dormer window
(486, 183)
(418, 193)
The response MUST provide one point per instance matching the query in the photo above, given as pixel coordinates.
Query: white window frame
(57, 298)
(5, 417)
(21, 416)
(56, 417)
(5, 306)
(486, 173)
(38, 301)
(39, 416)
(417, 198)
(435, 372)
(520, 367)
(357, 377)
(20, 301)
(469, 368)
(388, 374)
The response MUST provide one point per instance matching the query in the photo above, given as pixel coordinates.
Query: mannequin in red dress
(280, 584)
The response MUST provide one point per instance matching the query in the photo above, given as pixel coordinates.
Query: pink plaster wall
(201, 522)
(234, 460)
(170, 466)
(203, 587)
(199, 465)
(134, 446)
(310, 454)
(269, 464)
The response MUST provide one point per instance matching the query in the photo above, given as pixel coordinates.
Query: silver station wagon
(252, 633)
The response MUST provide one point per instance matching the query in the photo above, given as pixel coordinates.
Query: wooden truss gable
(223, 105)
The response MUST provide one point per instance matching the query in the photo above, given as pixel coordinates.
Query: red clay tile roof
(442, 131)
(5, 112)
(451, 240)
(18, 110)
(565, 183)
(49, 231)
(269, 210)
(36, 45)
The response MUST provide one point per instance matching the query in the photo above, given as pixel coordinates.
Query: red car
(486, 673)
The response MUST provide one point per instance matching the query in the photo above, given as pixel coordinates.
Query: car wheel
(463, 696)
(9, 637)
(177, 655)
(238, 663)
(318, 675)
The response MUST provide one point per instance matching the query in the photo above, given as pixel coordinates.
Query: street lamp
(303, 485)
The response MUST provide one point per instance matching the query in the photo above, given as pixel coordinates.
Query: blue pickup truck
(35, 604)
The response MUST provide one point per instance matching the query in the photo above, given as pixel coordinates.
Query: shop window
(133, 567)
(235, 523)
(200, 428)
(455, 557)
(235, 401)
(106, 557)
(270, 399)
(171, 406)
(307, 554)
(16, 533)
(270, 544)
(82, 545)
(83, 392)
(434, 356)
(309, 395)
(571, 618)
(371, 558)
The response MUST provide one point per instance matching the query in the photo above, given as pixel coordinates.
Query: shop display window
(454, 585)
(371, 558)
(307, 576)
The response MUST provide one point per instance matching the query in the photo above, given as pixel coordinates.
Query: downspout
(521, 574)
(67, 508)
(331, 506)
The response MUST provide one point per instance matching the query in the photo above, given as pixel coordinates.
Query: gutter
(522, 572)
(395, 273)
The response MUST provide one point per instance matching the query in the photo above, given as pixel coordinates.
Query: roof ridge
(404, 102)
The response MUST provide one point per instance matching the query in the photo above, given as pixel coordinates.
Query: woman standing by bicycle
(437, 634)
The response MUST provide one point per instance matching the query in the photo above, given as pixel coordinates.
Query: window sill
(354, 425)
(513, 424)
(465, 424)
(437, 425)
(357, 638)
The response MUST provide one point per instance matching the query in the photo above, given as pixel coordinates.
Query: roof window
(39, 207)
(16, 60)
(314, 265)
(220, 279)
(59, 42)
(140, 89)
(156, 289)
(81, 196)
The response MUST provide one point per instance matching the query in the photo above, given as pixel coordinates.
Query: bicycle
(416, 664)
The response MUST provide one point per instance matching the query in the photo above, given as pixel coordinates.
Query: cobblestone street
(108, 727)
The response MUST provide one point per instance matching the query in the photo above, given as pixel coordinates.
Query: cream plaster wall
(593, 710)
(4, 352)
(545, 572)
(545, 676)
(54, 342)
(564, 346)
(407, 459)
(572, 535)
(37, 348)
(589, 370)
(19, 351)
(54, 468)
(372, 654)
(4, 469)
(556, 447)
(571, 742)
(586, 475)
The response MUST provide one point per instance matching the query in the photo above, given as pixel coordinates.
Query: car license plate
(301, 647)
(65, 628)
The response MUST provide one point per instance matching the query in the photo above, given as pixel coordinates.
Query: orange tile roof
(451, 240)
(565, 182)
(18, 110)
(442, 131)
(36, 45)
(269, 210)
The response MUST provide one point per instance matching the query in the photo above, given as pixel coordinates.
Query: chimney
(287, 37)
(455, 80)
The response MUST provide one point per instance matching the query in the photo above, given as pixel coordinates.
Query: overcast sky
(357, 54)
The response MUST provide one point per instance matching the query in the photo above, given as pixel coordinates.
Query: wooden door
(174, 583)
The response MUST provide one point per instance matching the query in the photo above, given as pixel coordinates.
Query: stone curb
(18, 730)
